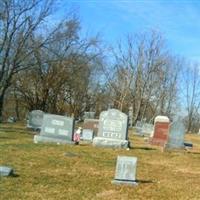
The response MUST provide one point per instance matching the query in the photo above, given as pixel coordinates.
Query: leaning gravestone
(57, 129)
(176, 135)
(35, 119)
(125, 170)
(113, 129)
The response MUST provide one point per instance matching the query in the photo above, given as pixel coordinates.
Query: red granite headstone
(161, 131)
(91, 124)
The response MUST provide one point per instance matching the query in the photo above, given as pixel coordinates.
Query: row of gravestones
(167, 135)
(111, 129)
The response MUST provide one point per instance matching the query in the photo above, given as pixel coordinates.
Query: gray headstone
(56, 128)
(35, 119)
(130, 116)
(143, 128)
(138, 127)
(87, 134)
(125, 172)
(113, 130)
(6, 171)
(176, 135)
(89, 115)
(113, 124)
(11, 119)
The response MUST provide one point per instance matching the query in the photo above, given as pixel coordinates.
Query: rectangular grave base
(125, 182)
(174, 146)
(43, 139)
(108, 142)
(157, 142)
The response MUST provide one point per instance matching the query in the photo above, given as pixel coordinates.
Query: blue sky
(177, 20)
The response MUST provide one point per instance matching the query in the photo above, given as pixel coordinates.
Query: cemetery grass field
(49, 171)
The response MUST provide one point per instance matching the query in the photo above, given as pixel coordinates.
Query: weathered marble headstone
(91, 124)
(125, 172)
(138, 127)
(87, 134)
(11, 119)
(143, 128)
(6, 171)
(176, 135)
(161, 131)
(130, 117)
(147, 129)
(113, 129)
(56, 128)
(35, 119)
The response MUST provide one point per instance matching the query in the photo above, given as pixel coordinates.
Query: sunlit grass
(49, 171)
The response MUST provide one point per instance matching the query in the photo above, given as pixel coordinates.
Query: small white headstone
(87, 134)
(125, 170)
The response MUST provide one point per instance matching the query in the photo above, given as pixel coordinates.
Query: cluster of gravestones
(163, 133)
(110, 130)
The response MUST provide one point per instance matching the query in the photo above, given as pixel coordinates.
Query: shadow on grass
(7, 138)
(144, 181)
(143, 148)
(14, 130)
(193, 152)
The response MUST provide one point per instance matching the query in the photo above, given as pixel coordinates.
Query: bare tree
(191, 91)
(19, 22)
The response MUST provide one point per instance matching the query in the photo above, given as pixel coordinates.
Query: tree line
(52, 67)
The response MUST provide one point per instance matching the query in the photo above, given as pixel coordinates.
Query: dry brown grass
(45, 172)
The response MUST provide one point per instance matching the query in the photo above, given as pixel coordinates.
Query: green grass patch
(49, 171)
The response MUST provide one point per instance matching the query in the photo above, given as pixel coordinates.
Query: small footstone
(6, 171)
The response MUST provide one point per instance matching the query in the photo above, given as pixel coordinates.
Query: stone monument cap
(160, 118)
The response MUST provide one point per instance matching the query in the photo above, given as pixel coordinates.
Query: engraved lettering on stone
(57, 122)
(62, 132)
(49, 130)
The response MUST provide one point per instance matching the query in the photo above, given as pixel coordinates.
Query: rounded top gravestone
(161, 119)
(35, 119)
(113, 124)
